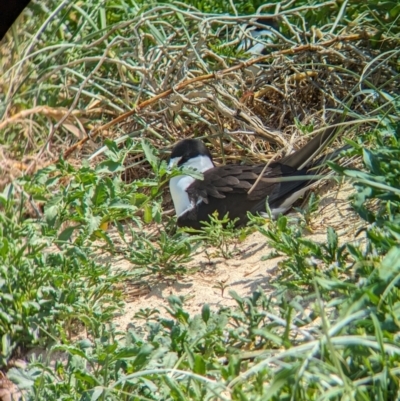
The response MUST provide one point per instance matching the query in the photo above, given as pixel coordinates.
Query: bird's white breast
(180, 197)
(179, 184)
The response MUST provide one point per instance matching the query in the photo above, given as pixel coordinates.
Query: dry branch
(216, 75)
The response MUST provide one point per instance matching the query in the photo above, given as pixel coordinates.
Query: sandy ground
(244, 272)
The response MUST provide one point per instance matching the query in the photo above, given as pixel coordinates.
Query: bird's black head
(188, 149)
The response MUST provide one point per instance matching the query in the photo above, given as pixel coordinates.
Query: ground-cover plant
(160, 253)
(303, 258)
(250, 351)
(87, 199)
(52, 282)
(45, 292)
(366, 294)
(220, 233)
(109, 359)
(377, 199)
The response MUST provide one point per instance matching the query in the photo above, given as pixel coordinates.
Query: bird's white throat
(179, 184)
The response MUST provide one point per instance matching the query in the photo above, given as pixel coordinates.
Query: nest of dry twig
(177, 75)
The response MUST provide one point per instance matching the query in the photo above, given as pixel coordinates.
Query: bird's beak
(173, 163)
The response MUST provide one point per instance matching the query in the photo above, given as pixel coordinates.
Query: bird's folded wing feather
(224, 180)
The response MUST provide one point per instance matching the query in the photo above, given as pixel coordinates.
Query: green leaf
(158, 34)
(50, 214)
(145, 183)
(205, 312)
(4, 247)
(72, 350)
(390, 264)
(67, 233)
(100, 195)
(119, 205)
(86, 376)
(112, 147)
(199, 365)
(277, 339)
(85, 343)
(281, 379)
(371, 162)
(175, 389)
(93, 223)
(143, 357)
(109, 166)
(31, 306)
(282, 223)
(5, 317)
(150, 154)
(25, 379)
(6, 345)
(332, 240)
(96, 393)
(162, 168)
(378, 334)
(139, 199)
(147, 215)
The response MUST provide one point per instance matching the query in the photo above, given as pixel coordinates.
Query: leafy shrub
(44, 291)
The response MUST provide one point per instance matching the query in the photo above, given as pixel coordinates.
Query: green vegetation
(220, 234)
(329, 331)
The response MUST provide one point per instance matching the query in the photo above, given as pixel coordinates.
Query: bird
(237, 189)
(257, 37)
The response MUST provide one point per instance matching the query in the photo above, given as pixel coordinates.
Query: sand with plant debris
(215, 276)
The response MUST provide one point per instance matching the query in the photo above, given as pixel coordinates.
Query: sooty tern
(226, 189)
(256, 38)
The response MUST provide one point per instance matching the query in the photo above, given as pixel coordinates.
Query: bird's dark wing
(220, 182)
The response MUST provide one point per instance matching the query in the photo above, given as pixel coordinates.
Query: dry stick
(53, 112)
(207, 77)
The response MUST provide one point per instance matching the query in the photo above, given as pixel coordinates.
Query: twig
(212, 76)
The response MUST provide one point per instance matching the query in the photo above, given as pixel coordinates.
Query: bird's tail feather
(302, 157)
